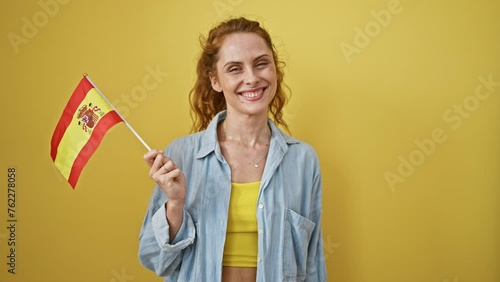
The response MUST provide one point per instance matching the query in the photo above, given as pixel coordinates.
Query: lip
(253, 94)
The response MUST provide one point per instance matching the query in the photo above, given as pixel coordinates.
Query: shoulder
(293, 145)
(187, 140)
(301, 145)
(183, 145)
(301, 150)
(204, 138)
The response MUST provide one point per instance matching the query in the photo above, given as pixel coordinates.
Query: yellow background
(363, 113)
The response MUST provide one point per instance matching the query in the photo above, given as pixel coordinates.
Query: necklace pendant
(256, 165)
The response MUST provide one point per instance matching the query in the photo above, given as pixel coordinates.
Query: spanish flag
(84, 122)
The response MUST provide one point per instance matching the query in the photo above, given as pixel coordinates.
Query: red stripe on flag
(106, 122)
(68, 113)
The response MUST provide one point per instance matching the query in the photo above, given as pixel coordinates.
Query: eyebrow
(236, 62)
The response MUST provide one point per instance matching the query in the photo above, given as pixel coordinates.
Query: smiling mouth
(253, 94)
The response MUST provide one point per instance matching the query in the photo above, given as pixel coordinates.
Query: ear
(215, 83)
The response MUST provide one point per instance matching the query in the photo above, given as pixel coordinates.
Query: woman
(238, 200)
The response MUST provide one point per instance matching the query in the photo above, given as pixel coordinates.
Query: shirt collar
(209, 141)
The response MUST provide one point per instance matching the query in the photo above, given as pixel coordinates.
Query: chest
(246, 163)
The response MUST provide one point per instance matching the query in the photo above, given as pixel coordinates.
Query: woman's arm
(158, 251)
(167, 228)
(316, 267)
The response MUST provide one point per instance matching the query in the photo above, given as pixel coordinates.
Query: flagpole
(128, 125)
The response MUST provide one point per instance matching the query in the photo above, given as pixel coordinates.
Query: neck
(248, 131)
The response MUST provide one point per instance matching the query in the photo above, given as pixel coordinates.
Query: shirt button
(259, 259)
(260, 231)
(261, 206)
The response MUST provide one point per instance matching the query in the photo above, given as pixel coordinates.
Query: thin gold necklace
(255, 165)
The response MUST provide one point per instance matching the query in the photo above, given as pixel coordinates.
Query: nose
(251, 78)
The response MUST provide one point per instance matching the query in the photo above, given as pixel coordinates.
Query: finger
(157, 164)
(174, 173)
(163, 176)
(168, 166)
(171, 177)
(150, 156)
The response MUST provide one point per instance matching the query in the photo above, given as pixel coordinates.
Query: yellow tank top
(240, 249)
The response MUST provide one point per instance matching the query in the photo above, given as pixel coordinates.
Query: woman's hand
(167, 175)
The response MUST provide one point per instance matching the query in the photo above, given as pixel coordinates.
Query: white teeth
(252, 94)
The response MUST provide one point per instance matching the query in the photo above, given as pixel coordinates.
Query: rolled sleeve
(161, 229)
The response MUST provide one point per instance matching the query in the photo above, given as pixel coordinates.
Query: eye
(262, 64)
(233, 69)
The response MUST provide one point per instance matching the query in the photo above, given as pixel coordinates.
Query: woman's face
(246, 74)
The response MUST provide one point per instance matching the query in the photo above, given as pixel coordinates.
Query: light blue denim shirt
(288, 213)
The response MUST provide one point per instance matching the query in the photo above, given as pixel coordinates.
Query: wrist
(174, 213)
(174, 205)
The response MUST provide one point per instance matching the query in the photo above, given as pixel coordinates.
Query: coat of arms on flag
(87, 116)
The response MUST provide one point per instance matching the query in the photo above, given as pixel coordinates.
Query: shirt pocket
(297, 234)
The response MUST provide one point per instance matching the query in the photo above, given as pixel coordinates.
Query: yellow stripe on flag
(75, 137)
